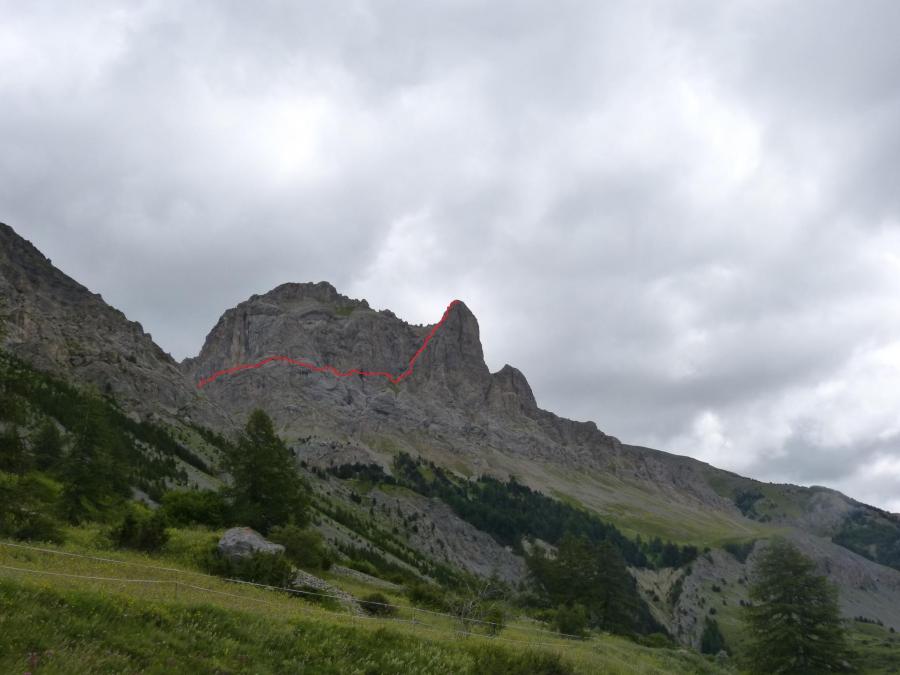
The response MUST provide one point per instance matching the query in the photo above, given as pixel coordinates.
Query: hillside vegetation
(108, 561)
(65, 624)
(70, 462)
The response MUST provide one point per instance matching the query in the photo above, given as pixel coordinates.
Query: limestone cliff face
(55, 323)
(451, 397)
(509, 391)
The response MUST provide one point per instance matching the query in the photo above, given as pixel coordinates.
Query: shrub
(712, 640)
(140, 529)
(489, 659)
(655, 641)
(317, 596)
(468, 609)
(740, 551)
(571, 619)
(495, 619)
(27, 505)
(303, 547)
(195, 507)
(675, 591)
(270, 569)
(428, 595)
(41, 527)
(746, 500)
(378, 604)
(363, 566)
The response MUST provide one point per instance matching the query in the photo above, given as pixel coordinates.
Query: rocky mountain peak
(314, 323)
(291, 294)
(457, 344)
(510, 384)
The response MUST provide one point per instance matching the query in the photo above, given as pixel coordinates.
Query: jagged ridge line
(395, 379)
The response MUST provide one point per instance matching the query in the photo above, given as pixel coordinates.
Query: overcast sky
(678, 219)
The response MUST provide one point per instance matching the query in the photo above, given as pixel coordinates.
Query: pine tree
(266, 490)
(794, 620)
(593, 576)
(712, 641)
(47, 446)
(671, 556)
(94, 477)
(14, 456)
(617, 600)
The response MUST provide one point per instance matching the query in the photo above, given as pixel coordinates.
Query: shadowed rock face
(55, 323)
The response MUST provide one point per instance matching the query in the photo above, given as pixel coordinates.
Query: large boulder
(243, 542)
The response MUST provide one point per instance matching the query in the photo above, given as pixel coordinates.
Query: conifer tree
(617, 599)
(593, 576)
(14, 455)
(794, 620)
(266, 489)
(712, 641)
(47, 447)
(94, 477)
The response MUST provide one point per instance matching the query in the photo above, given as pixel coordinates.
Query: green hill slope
(123, 612)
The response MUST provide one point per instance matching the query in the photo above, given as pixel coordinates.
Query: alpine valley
(453, 477)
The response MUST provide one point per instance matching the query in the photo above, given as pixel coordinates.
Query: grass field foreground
(154, 614)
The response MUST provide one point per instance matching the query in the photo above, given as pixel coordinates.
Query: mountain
(58, 325)
(453, 413)
(451, 409)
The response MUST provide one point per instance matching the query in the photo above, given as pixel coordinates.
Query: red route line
(331, 369)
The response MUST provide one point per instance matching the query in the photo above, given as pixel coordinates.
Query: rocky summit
(451, 398)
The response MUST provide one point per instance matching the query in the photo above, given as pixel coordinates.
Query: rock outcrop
(450, 405)
(243, 542)
(451, 395)
(56, 324)
(239, 543)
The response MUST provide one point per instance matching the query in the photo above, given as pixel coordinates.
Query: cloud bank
(680, 220)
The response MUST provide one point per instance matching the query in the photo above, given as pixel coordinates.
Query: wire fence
(565, 639)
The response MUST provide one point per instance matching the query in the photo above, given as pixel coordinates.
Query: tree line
(512, 512)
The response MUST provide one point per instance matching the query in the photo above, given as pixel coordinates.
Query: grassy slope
(636, 510)
(877, 649)
(60, 625)
(633, 507)
(103, 626)
(75, 631)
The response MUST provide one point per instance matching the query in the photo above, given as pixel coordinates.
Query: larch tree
(794, 621)
(266, 490)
